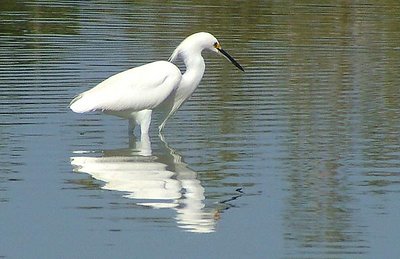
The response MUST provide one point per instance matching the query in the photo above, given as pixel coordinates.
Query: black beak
(223, 52)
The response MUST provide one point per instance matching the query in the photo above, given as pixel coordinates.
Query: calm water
(298, 157)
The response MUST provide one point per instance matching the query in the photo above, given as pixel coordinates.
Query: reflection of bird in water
(157, 182)
(133, 94)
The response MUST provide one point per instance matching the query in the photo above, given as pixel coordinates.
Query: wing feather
(136, 89)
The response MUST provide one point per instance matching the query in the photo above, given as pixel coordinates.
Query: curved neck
(194, 71)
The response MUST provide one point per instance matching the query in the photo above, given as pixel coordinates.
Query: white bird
(133, 94)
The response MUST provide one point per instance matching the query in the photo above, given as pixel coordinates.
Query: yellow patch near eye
(217, 45)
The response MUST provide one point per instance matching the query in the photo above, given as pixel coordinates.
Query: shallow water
(298, 157)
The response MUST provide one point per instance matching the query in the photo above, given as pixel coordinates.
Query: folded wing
(136, 89)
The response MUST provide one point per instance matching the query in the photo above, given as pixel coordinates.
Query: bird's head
(198, 42)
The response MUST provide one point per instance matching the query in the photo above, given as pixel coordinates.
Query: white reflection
(158, 182)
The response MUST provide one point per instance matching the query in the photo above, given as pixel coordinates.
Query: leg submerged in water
(131, 127)
(142, 118)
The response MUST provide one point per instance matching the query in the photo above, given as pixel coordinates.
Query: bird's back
(139, 88)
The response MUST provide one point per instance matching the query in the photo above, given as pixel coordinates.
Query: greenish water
(298, 157)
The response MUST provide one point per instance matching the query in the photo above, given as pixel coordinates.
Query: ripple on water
(312, 125)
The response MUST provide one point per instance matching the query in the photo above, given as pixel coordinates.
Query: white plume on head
(175, 55)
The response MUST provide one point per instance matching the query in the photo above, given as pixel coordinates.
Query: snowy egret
(133, 94)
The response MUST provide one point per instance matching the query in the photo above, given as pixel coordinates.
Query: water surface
(298, 157)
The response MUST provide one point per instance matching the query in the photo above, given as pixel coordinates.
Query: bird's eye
(217, 45)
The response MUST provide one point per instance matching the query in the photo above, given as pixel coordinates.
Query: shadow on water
(158, 181)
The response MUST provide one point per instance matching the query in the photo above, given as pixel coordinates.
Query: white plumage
(134, 93)
(136, 89)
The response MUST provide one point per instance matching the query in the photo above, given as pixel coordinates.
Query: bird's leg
(145, 119)
(132, 141)
(144, 146)
(172, 111)
(131, 127)
(160, 128)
